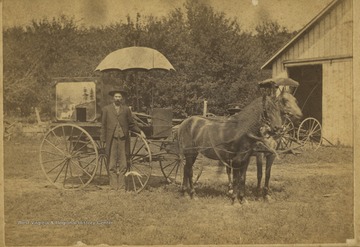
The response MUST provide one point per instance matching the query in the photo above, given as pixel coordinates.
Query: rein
(220, 159)
(264, 115)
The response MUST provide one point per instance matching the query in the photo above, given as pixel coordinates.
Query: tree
(85, 95)
(272, 36)
(214, 59)
(92, 96)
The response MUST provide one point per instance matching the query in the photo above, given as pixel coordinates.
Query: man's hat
(118, 90)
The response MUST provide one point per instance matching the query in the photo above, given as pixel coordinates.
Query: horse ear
(282, 93)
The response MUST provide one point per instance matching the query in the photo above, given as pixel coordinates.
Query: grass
(312, 203)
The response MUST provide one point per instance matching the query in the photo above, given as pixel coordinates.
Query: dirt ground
(312, 202)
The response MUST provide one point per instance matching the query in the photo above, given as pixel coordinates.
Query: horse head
(289, 105)
(272, 114)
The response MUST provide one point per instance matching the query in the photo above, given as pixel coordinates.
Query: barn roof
(268, 63)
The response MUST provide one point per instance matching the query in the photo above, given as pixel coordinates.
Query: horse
(230, 140)
(288, 107)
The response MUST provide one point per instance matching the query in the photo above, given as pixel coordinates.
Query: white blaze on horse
(230, 141)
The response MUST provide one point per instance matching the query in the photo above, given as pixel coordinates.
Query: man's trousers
(117, 163)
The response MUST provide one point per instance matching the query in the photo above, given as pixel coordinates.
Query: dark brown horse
(229, 141)
(288, 107)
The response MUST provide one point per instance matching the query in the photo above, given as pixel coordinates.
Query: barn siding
(337, 102)
(329, 37)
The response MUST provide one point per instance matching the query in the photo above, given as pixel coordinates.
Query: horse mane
(249, 120)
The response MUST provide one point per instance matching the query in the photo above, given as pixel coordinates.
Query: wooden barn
(320, 58)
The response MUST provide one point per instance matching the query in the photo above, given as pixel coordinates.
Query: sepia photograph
(180, 122)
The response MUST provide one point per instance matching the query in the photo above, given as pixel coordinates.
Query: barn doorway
(309, 92)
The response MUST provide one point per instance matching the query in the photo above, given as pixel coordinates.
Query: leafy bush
(214, 59)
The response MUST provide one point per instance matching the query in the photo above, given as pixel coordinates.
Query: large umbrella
(132, 58)
(135, 58)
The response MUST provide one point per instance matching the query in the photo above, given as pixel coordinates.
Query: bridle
(265, 119)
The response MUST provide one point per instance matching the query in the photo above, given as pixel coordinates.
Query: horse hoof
(187, 196)
(244, 201)
(267, 198)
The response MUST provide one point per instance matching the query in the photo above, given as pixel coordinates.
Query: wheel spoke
(63, 160)
(77, 140)
(315, 131)
(170, 164)
(81, 180)
(133, 180)
(135, 153)
(88, 164)
(44, 151)
(141, 172)
(82, 169)
(139, 157)
(313, 123)
(136, 139)
(64, 137)
(55, 147)
(83, 155)
(140, 181)
(84, 145)
(65, 164)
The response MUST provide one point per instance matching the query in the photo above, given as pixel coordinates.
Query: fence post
(205, 108)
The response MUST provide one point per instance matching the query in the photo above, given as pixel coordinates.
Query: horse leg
(242, 178)
(269, 161)
(259, 159)
(235, 183)
(188, 174)
(229, 174)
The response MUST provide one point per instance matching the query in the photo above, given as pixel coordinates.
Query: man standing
(116, 122)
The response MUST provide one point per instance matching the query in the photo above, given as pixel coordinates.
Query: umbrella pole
(135, 77)
(152, 95)
(137, 98)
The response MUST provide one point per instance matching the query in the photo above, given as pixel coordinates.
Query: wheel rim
(286, 139)
(172, 167)
(68, 156)
(139, 168)
(309, 134)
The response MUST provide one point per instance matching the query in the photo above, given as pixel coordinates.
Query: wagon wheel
(285, 140)
(309, 134)
(103, 169)
(68, 156)
(139, 166)
(8, 130)
(172, 167)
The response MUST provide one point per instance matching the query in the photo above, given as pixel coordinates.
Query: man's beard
(117, 102)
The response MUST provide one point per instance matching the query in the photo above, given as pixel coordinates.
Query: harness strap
(220, 159)
(270, 149)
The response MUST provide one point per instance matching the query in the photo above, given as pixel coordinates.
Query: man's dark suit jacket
(109, 120)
